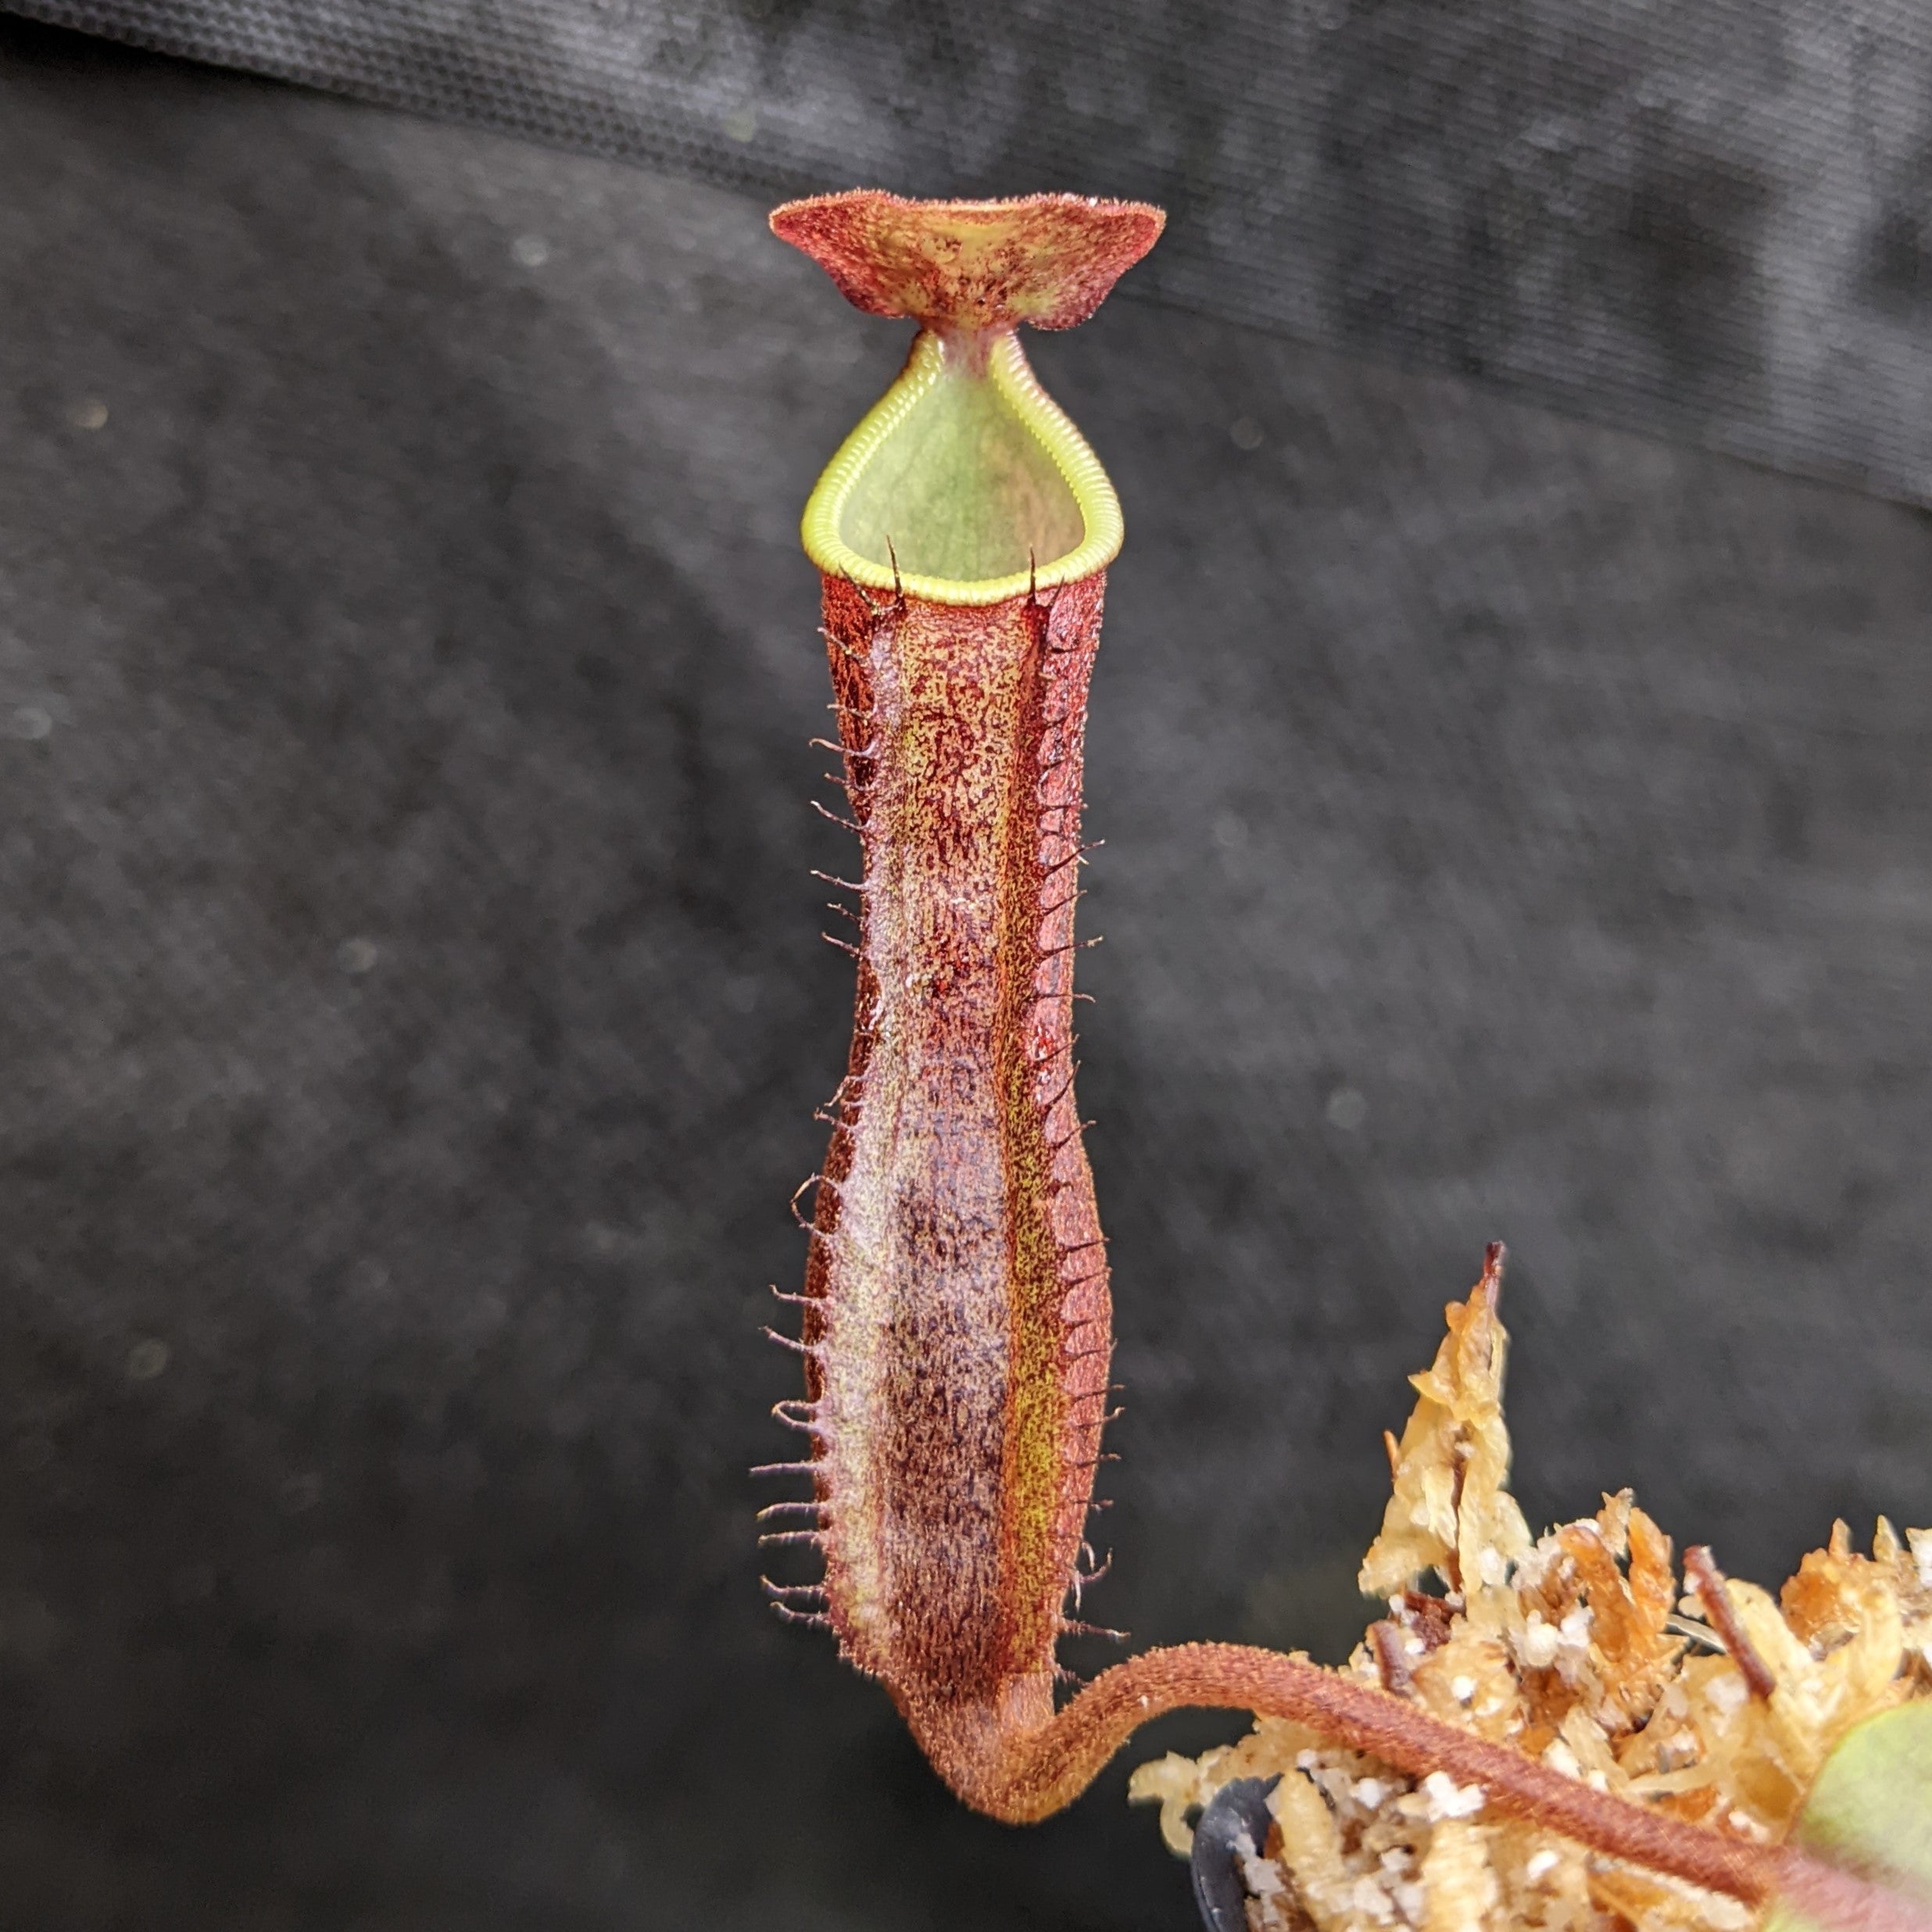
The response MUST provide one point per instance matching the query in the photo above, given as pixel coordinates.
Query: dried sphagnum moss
(1572, 1648)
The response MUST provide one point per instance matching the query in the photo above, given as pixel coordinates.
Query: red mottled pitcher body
(957, 1308)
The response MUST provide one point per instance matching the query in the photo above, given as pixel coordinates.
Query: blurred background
(1513, 738)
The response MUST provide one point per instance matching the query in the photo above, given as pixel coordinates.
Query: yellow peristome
(965, 484)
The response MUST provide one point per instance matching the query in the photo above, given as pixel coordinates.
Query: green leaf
(1869, 1817)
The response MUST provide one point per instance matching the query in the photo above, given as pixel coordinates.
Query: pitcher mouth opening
(965, 483)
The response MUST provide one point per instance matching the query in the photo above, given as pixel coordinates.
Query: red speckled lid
(1047, 260)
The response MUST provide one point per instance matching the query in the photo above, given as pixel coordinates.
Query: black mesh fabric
(411, 1010)
(1703, 217)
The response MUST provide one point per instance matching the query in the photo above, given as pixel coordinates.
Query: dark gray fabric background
(1708, 217)
(412, 1014)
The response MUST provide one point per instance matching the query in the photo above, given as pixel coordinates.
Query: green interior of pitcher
(966, 483)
